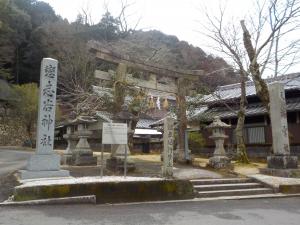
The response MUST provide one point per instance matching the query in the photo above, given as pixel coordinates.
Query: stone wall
(112, 192)
(12, 133)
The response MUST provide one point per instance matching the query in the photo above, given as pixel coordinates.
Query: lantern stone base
(282, 162)
(83, 159)
(66, 159)
(219, 162)
(117, 164)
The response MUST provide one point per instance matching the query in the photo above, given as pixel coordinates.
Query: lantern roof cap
(217, 123)
(124, 114)
(82, 119)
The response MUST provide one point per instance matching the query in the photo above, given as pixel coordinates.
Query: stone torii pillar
(119, 96)
(45, 162)
(281, 163)
(183, 85)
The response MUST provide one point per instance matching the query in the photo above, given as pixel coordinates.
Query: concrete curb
(279, 184)
(89, 199)
(92, 200)
(269, 196)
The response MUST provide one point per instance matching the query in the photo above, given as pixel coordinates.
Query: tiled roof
(106, 116)
(232, 91)
(251, 110)
(142, 123)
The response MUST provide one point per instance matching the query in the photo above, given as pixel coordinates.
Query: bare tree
(228, 43)
(275, 23)
(76, 79)
(125, 25)
(267, 44)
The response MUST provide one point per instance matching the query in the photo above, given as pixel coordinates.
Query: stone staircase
(211, 188)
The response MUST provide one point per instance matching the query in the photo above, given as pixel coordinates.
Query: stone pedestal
(45, 163)
(281, 163)
(281, 166)
(43, 166)
(219, 162)
(116, 161)
(83, 155)
(116, 164)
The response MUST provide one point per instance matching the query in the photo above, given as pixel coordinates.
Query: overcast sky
(176, 17)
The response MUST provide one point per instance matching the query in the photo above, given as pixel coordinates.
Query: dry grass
(248, 169)
(239, 168)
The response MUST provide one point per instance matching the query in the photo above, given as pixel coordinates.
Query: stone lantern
(83, 155)
(116, 161)
(219, 159)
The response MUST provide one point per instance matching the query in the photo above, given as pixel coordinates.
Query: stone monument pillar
(219, 160)
(45, 163)
(167, 168)
(281, 163)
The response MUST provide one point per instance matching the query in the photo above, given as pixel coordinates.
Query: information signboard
(114, 133)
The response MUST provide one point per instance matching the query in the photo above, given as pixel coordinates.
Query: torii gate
(182, 79)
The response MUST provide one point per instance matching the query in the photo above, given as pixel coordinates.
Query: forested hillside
(30, 30)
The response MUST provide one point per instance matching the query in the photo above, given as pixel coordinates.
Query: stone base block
(179, 156)
(84, 160)
(219, 162)
(26, 174)
(117, 164)
(282, 162)
(167, 172)
(66, 159)
(280, 172)
(39, 162)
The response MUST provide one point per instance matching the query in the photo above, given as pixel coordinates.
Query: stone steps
(221, 181)
(209, 188)
(212, 187)
(238, 192)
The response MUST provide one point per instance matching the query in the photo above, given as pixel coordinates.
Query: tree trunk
(133, 126)
(260, 85)
(240, 141)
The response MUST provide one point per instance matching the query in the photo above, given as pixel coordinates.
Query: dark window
(252, 135)
(255, 135)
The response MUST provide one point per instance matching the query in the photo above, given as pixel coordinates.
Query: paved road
(11, 160)
(285, 211)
